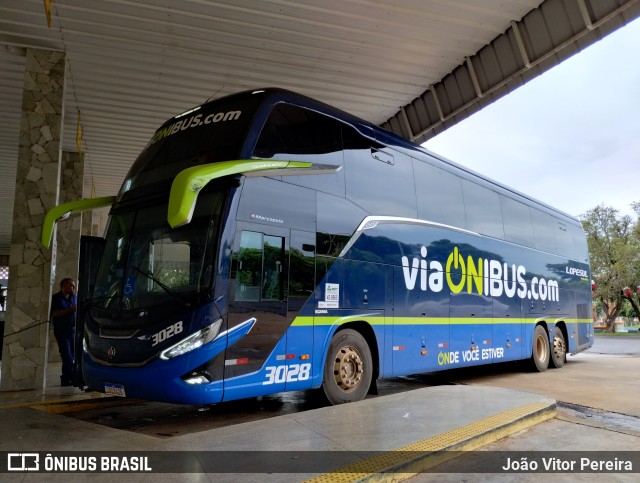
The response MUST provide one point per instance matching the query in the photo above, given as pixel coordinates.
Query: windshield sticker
(129, 286)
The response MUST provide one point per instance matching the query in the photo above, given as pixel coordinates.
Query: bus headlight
(192, 342)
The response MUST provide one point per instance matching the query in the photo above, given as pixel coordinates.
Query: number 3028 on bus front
(166, 333)
(290, 373)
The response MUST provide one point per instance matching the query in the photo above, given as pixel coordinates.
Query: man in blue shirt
(63, 315)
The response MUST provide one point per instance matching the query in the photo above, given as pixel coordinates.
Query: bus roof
(273, 95)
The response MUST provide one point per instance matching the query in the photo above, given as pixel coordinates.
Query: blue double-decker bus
(266, 242)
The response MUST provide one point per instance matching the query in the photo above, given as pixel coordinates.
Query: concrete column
(87, 222)
(24, 357)
(87, 216)
(67, 231)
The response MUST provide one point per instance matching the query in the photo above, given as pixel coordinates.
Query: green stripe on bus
(328, 320)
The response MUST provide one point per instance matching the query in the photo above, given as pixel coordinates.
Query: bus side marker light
(285, 357)
(305, 357)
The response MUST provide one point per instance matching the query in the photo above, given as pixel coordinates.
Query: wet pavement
(572, 435)
(596, 398)
(598, 413)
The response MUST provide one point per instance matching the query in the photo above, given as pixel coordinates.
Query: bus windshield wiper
(99, 302)
(161, 285)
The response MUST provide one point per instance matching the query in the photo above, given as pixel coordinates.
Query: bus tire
(348, 368)
(559, 349)
(540, 354)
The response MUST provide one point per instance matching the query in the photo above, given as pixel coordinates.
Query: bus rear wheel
(348, 368)
(559, 349)
(540, 354)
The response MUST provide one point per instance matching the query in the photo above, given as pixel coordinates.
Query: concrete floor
(396, 433)
(383, 439)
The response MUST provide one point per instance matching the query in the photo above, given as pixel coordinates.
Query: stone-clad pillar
(24, 356)
(67, 231)
(87, 222)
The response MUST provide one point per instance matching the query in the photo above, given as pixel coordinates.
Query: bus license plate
(114, 389)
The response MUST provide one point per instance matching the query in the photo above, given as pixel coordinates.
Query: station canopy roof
(413, 66)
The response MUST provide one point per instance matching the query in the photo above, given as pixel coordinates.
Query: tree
(631, 294)
(632, 299)
(614, 249)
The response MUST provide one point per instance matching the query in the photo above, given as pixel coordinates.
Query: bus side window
(482, 206)
(249, 278)
(260, 267)
(564, 239)
(295, 133)
(272, 268)
(439, 195)
(544, 230)
(292, 131)
(517, 221)
(580, 247)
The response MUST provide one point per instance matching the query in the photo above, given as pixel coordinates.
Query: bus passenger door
(258, 291)
(299, 318)
(91, 249)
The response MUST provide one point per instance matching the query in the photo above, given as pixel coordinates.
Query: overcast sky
(570, 137)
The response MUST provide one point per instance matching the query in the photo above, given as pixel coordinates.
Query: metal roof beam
(542, 39)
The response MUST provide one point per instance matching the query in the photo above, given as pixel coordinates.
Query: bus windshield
(147, 264)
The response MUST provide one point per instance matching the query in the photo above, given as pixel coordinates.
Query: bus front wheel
(559, 349)
(540, 354)
(348, 368)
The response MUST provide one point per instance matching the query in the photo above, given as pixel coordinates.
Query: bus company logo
(23, 462)
(481, 275)
(194, 121)
(111, 352)
(578, 272)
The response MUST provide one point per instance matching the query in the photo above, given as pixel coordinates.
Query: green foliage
(172, 277)
(614, 249)
(626, 310)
